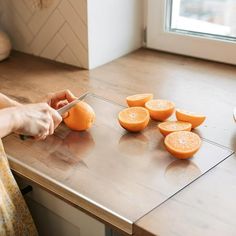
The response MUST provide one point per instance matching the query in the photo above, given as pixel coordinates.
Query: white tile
(70, 15)
(54, 48)
(17, 26)
(41, 16)
(80, 6)
(21, 8)
(69, 57)
(74, 43)
(47, 32)
(60, 59)
(41, 31)
(30, 5)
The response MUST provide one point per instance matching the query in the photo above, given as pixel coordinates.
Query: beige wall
(58, 32)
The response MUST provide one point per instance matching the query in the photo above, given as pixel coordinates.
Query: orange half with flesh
(182, 144)
(160, 109)
(194, 119)
(134, 119)
(173, 126)
(138, 100)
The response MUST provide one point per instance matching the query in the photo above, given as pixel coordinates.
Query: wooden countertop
(140, 186)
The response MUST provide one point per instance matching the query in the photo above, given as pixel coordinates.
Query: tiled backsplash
(58, 32)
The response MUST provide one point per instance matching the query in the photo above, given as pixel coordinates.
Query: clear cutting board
(128, 174)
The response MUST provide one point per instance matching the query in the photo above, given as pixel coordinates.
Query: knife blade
(62, 110)
(67, 107)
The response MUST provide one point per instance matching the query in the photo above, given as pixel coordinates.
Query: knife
(67, 107)
(62, 110)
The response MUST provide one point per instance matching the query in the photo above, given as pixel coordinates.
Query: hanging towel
(15, 218)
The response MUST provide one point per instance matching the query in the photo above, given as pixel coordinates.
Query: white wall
(115, 28)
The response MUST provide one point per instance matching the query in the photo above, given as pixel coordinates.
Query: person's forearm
(7, 121)
(7, 102)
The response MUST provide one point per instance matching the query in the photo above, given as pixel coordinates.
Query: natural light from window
(212, 17)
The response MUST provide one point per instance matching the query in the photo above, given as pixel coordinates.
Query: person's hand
(7, 102)
(59, 99)
(37, 120)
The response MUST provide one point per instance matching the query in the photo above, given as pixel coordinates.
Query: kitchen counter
(129, 181)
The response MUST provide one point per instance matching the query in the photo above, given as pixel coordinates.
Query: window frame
(194, 45)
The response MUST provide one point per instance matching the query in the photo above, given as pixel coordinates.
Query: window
(199, 28)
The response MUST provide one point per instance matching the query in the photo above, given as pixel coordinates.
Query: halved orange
(194, 119)
(138, 100)
(80, 117)
(160, 109)
(134, 119)
(182, 144)
(173, 126)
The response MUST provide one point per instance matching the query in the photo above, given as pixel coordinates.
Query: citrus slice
(80, 117)
(173, 126)
(194, 119)
(160, 109)
(138, 100)
(182, 144)
(134, 119)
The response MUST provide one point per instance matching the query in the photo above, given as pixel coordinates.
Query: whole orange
(80, 117)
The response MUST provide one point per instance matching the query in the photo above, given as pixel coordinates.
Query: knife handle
(24, 137)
